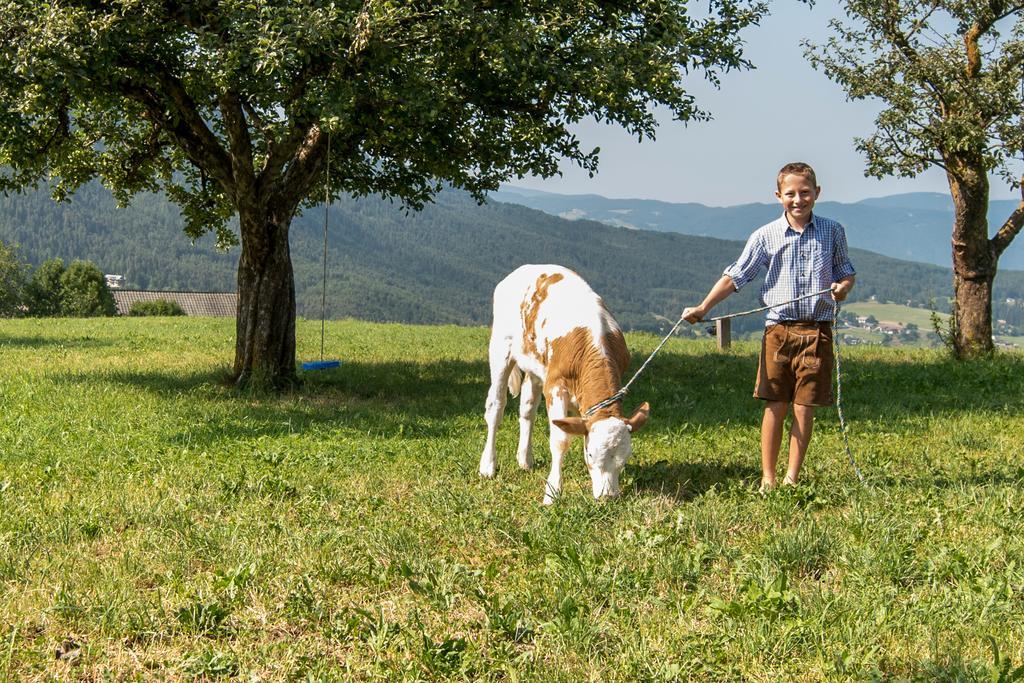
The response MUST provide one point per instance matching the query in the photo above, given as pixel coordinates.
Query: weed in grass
(756, 599)
(506, 618)
(203, 616)
(804, 550)
(685, 567)
(66, 604)
(210, 664)
(372, 628)
(574, 626)
(306, 602)
(231, 582)
(442, 658)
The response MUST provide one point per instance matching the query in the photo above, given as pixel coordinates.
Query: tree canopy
(949, 75)
(255, 108)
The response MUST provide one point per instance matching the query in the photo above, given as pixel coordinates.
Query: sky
(782, 111)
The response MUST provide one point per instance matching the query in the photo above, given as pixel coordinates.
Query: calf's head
(607, 445)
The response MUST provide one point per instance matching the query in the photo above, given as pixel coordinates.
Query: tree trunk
(265, 323)
(974, 263)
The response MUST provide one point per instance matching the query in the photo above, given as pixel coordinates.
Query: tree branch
(282, 151)
(890, 29)
(177, 114)
(305, 165)
(240, 144)
(901, 151)
(1001, 240)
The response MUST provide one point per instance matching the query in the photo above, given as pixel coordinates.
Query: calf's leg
(528, 402)
(501, 366)
(559, 442)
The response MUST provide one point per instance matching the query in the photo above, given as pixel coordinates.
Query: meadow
(157, 525)
(897, 313)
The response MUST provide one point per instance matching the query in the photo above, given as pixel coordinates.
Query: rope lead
(618, 395)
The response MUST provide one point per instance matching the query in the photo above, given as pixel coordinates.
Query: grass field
(154, 525)
(895, 313)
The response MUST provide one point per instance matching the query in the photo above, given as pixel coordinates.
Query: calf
(551, 327)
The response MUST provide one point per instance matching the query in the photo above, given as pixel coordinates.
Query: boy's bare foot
(766, 485)
(788, 481)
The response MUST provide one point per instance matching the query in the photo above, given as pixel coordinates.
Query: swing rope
(327, 205)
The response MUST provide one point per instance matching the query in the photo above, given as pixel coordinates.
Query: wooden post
(723, 329)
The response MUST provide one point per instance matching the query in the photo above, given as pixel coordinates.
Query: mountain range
(438, 265)
(913, 226)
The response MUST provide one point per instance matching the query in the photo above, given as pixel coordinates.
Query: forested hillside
(436, 266)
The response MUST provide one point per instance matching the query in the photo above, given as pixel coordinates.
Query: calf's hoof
(550, 496)
(488, 470)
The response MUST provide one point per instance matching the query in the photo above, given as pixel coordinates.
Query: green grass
(895, 313)
(155, 525)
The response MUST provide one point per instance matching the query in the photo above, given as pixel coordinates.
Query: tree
(261, 109)
(949, 73)
(13, 272)
(43, 293)
(84, 291)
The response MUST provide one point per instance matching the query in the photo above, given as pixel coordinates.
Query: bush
(12, 281)
(156, 307)
(84, 291)
(43, 293)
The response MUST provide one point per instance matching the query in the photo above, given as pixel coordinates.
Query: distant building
(115, 281)
(206, 304)
(890, 328)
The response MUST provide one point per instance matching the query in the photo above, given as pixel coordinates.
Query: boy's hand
(693, 315)
(839, 291)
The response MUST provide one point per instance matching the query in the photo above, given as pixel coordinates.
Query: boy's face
(797, 195)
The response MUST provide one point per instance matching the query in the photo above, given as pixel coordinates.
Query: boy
(803, 253)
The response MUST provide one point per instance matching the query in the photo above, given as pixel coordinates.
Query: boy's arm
(841, 289)
(842, 269)
(721, 289)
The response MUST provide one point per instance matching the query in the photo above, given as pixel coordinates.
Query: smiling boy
(803, 253)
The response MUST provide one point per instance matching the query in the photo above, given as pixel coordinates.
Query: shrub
(43, 292)
(12, 281)
(84, 291)
(156, 307)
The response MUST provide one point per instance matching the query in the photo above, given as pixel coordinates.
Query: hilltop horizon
(919, 196)
(912, 226)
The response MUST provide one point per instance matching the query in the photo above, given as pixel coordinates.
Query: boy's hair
(796, 168)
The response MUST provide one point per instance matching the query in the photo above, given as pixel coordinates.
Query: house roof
(211, 304)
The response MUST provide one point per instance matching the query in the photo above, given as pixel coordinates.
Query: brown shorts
(796, 364)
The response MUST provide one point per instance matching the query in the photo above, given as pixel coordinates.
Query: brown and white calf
(551, 327)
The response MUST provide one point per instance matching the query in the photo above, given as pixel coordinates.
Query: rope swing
(324, 364)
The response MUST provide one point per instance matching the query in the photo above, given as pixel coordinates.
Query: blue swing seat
(320, 364)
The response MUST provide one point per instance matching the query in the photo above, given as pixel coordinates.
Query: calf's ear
(571, 425)
(639, 418)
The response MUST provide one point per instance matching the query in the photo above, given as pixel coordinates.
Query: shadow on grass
(686, 481)
(987, 478)
(163, 383)
(38, 342)
(716, 388)
(435, 399)
(401, 399)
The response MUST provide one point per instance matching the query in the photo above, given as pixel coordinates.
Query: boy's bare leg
(771, 440)
(799, 438)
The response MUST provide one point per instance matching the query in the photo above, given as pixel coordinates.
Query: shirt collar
(784, 223)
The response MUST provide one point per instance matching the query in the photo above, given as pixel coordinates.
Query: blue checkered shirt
(798, 263)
